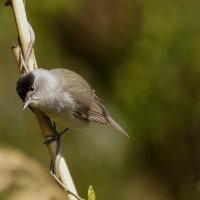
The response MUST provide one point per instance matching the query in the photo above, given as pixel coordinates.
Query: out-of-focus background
(143, 59)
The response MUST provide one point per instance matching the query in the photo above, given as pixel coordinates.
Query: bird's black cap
(24, 83)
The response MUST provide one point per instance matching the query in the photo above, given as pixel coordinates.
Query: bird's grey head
(33, 86)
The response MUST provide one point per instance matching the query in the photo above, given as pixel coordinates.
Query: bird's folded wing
(95, 112)
(98, 113)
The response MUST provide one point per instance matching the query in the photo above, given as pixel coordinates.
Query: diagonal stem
(43, 120)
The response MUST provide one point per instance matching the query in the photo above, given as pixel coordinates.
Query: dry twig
(62, 174)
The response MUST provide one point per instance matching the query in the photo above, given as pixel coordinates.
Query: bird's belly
(68, 121)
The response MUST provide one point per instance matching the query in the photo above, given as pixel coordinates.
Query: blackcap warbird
(65, 97)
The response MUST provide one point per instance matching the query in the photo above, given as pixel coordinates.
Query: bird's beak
(26, 103)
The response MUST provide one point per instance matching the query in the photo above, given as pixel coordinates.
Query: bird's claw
(55, 136)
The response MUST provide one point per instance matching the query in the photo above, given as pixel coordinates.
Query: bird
(65, 97)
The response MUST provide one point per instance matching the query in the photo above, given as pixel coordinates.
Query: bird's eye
(32, 88)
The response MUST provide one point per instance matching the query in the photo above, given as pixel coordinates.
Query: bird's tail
(114, 124)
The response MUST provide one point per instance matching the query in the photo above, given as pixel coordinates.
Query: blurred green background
(143, 58)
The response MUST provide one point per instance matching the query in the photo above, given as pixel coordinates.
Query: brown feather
(98, 113)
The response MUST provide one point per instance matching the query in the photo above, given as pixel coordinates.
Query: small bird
(65, 97)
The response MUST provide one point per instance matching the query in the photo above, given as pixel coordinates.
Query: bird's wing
(94, 111)
(98, 113)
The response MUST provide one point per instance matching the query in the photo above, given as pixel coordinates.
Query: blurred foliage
(143, 59)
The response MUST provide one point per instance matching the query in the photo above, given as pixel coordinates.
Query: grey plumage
(64, 96)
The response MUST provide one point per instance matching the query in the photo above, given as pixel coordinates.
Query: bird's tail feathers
(114, 124)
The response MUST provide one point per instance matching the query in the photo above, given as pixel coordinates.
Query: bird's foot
(55, 136)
